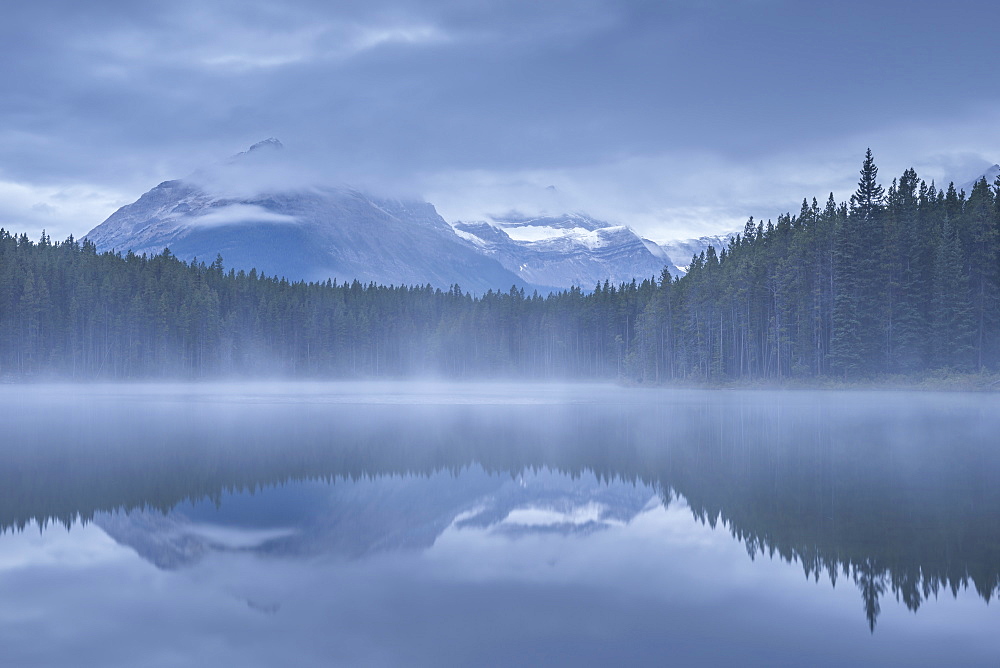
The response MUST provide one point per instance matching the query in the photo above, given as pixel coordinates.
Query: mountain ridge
(258, 210)
(567, 250)
(311, 234)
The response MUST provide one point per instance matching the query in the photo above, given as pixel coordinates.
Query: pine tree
(908, 289)
(858, 298)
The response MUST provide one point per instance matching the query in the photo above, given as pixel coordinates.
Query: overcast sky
(678, 117)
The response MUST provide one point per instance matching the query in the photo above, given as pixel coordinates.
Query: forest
(901, 280)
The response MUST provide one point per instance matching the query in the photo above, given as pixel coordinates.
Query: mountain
(257, 210)
(990, 175)
(566, 250)
(303, 233)
(683, 250)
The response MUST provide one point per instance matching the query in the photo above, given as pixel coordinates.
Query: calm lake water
(406, 524)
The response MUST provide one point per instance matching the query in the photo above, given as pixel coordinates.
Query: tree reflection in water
(895, 491)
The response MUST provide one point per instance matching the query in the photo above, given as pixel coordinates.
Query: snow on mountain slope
(258, 209)
(990, 175)
(301, 233)
(567, 250)
(681, 251)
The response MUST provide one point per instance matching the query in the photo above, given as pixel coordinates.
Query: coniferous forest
(897, 280)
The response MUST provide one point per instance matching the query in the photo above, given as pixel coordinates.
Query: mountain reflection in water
(895, 492)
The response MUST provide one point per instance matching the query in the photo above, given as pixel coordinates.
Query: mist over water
(493, 524)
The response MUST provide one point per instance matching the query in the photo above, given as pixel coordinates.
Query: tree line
(898, 280)
(67, 310)
(895, 281)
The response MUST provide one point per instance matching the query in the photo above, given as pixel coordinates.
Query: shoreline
(926, 382)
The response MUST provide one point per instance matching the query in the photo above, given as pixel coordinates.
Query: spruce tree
(907, 286)
(857, 259)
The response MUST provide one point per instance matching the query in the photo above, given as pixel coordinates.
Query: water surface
(463, 524)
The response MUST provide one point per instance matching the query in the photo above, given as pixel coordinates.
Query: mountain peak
(265, 147)
(990, 174)
(268, 144)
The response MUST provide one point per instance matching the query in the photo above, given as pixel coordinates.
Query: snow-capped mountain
(990, 175)
(683, 250)
(566, 250)
(302, 233)
(258, 210)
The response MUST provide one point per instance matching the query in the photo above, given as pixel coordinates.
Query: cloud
(235, 214)
(244, 47)
(664, 197)
(672, 114)
(58, 210)
(373, 37)
(689, 193)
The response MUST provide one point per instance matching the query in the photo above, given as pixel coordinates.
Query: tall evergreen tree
(858, 299)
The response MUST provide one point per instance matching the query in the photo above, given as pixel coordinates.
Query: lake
(462, 524)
